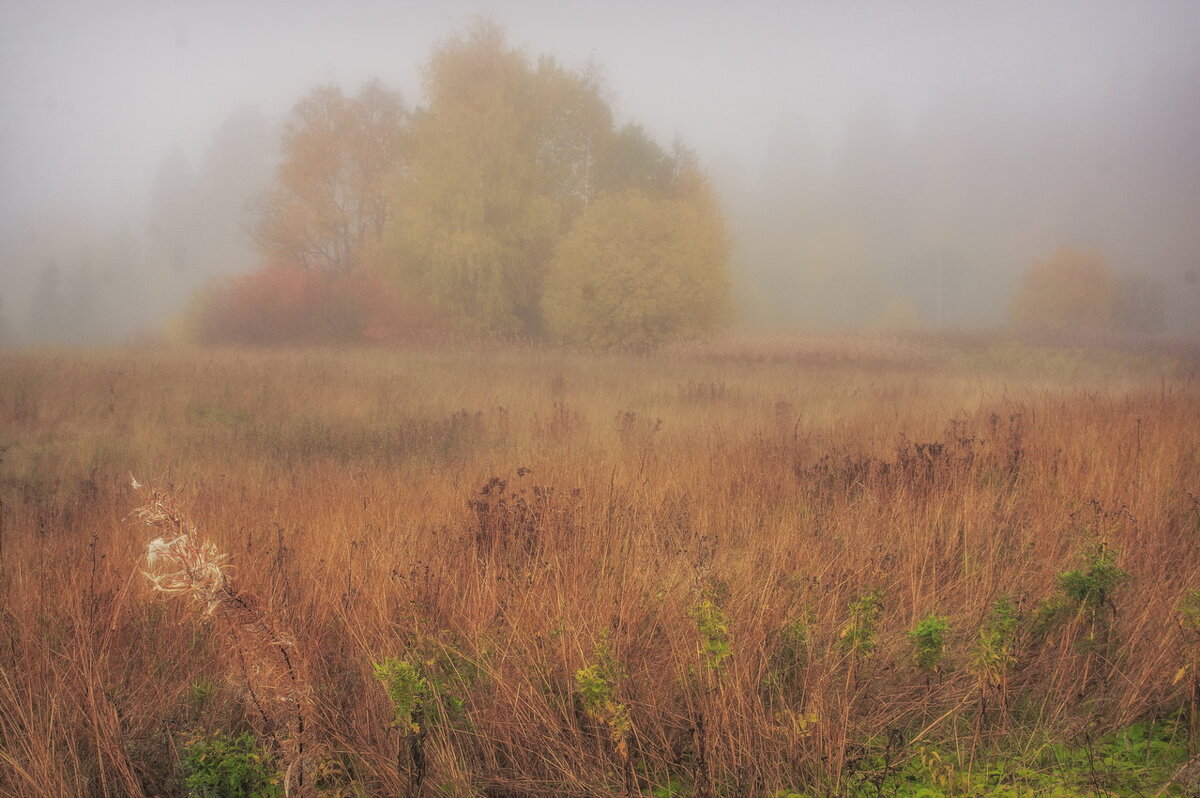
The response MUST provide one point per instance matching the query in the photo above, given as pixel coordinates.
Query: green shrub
(859, 633)
(1189, 614)
(995, 648)
(1092, 586)
(596, 685)
(789, 655)
(221, 766)
(1085, 592)
(928, 640)
(406, 687)
(713, 626)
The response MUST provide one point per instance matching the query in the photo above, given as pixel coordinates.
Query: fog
(879, 163)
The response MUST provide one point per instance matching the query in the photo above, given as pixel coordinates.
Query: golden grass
(492, 515)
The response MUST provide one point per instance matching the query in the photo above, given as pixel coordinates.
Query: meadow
(792, 566)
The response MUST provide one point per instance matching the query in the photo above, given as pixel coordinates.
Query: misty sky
(93, 94)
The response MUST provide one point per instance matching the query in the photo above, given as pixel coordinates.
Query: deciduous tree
(506, 157)
(638, 271)
(1070, 290)
(330, 202)
(502, 161)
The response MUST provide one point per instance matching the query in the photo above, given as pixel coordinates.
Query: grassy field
(747, 568)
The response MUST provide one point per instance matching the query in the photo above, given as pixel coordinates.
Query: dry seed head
(178, 561)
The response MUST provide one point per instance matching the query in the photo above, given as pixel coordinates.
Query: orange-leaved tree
(331, 200)
(286, 305)
(1070, 290)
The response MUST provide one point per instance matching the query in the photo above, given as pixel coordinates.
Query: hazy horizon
(930, 150)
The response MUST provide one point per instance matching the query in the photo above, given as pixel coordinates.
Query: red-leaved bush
(284, 305)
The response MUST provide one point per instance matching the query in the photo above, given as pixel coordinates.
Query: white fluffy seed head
(157, 551)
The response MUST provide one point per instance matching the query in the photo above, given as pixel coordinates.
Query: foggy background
(880, 163)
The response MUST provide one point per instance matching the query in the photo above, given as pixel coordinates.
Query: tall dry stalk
(181, 563)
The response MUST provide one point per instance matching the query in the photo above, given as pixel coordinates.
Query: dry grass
(492, 516)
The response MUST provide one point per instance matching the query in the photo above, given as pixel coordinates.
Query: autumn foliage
(636, 272)
(330, 200)
(1070, 291)
(512, 172)
(288, 305)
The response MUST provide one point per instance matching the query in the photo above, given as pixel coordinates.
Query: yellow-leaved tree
(640, 270)
(502, 161)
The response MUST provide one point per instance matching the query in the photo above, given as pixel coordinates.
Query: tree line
(510, 204)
